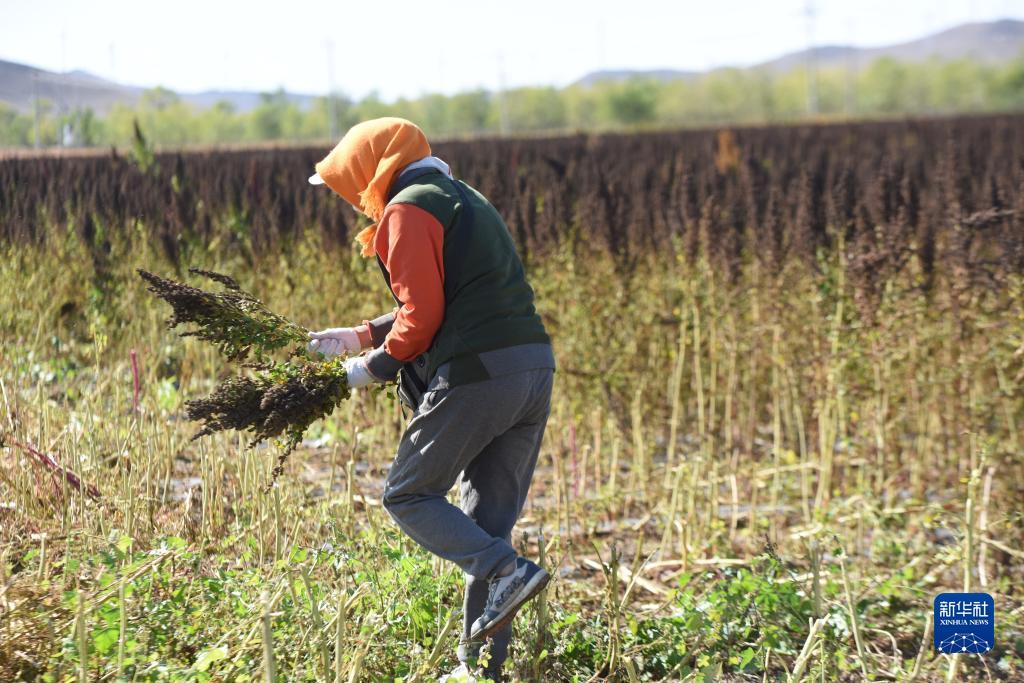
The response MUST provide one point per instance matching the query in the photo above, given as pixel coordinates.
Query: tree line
(883, 88)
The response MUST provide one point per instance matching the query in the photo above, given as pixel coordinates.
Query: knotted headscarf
(361, 167)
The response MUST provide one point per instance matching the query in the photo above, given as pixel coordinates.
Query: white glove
(357, 374)
(335, 341)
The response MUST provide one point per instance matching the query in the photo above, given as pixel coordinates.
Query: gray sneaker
(507, 594)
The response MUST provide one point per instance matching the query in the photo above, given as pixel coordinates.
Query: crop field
(787, 414)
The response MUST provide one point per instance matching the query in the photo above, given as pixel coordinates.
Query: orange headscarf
(361, 167)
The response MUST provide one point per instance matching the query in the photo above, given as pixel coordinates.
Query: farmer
(473, 362)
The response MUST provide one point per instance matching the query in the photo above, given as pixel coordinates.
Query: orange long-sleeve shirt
(410, 242)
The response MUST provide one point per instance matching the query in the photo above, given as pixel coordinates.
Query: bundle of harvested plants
(233, 320)
(271, 399)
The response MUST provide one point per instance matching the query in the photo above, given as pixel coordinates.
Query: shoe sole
(535, 586)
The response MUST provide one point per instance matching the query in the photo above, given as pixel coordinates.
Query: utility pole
(35, 107)
(332, 113)
(850, 103)
(502, 108)
(441, 71)
(62, 82)
(811, 64)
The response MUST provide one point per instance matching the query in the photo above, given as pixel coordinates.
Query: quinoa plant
(234, 321)
(271, 399)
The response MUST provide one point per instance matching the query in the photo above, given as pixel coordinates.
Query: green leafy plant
(141, 151)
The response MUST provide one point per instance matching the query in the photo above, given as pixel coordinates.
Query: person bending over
(473, 361)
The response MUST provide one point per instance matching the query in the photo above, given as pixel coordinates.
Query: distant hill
(994, 41)
(626, 74)
(21, 84)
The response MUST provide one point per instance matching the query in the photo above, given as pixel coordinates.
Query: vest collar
(428, 162)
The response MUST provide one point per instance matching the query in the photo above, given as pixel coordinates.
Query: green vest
(488, 303)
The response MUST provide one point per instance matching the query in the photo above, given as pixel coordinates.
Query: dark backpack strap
(387, 279)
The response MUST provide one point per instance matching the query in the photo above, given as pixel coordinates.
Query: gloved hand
(357, 374)
(335, 341)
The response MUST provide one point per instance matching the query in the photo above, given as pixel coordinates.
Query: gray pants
(490, 433)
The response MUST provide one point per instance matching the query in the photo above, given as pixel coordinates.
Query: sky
(403, 48)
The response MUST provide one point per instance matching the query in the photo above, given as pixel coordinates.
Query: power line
(811, 60)
(332, 116)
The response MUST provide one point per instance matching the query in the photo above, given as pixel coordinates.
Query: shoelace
(513, 585)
